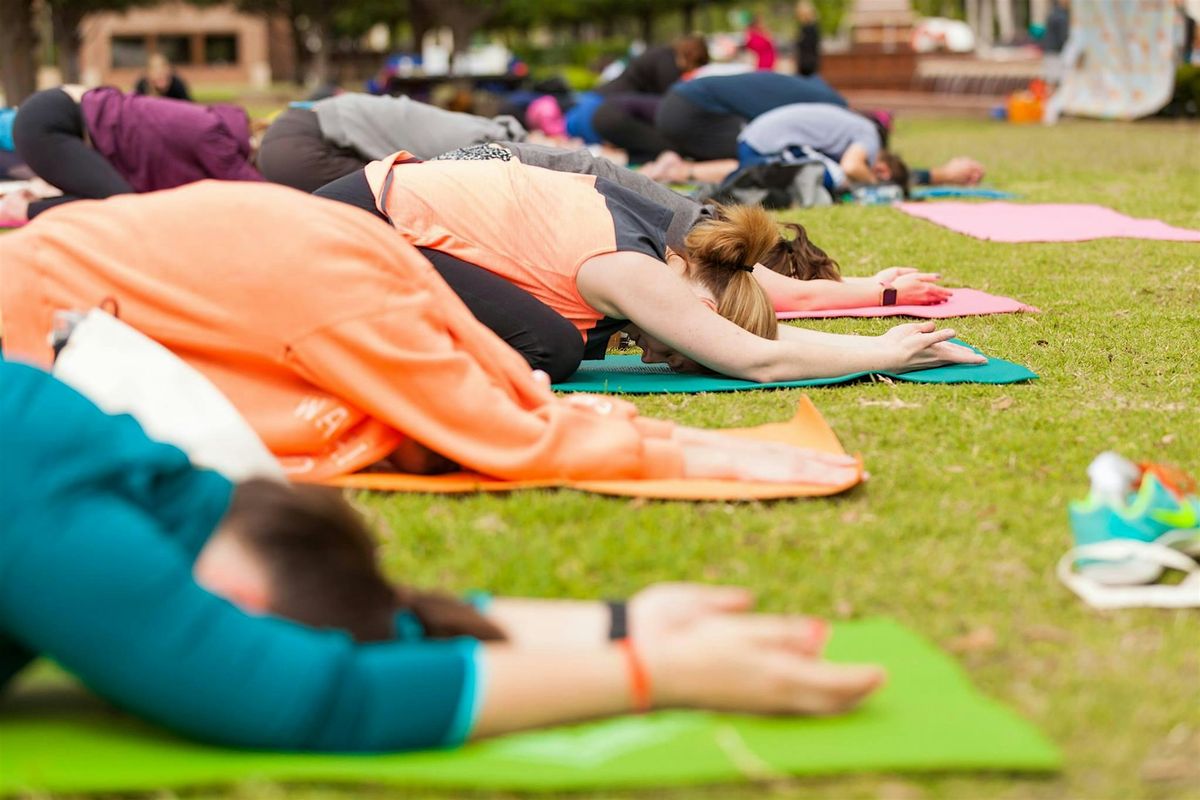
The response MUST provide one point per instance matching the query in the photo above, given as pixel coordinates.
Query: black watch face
(889, 297)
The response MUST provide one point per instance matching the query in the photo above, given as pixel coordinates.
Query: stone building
(207, 44)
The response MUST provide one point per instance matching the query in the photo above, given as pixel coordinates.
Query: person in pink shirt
(759, 42)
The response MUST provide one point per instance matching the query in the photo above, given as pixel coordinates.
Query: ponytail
(799, 258)
(320, 563)
(722, 252)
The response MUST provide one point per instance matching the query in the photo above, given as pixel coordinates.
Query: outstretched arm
(857, 165)
(635, 287)
(790, 294)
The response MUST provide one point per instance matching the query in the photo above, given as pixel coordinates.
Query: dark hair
(320, 562)
(897, 168)
(691, 51)
(799, 258)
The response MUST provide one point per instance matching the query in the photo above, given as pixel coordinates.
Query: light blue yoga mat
(959, 193)
(628, 375)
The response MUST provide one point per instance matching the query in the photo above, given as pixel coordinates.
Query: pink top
(759, 43)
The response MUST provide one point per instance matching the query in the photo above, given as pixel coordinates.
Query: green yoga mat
(927, 718)
(628, 375)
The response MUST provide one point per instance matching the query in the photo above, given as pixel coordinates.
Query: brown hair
(799, 258)
(897, 168)
(320, 563)
(721, 252)
(691, 52)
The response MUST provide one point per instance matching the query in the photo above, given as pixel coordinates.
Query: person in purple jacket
(92, 144)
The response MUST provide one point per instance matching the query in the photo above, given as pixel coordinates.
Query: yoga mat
(628, 375)
(927, 718)
(1015, 222)
(806, 429)
(944, 192)
(962, 303)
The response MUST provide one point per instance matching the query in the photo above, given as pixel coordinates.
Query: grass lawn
(957, 532)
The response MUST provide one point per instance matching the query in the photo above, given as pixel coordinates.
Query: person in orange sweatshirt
(339, 342)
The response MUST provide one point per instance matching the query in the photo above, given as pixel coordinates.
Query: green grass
(958, 530)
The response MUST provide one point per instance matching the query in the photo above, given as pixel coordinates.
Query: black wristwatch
(888, 298)
(618, 627)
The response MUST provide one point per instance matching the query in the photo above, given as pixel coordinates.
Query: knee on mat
(559, 363)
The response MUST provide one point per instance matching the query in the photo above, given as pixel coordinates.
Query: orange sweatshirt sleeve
(452, 386)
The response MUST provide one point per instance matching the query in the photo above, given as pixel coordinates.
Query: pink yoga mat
(962, 303)
(1016, 222)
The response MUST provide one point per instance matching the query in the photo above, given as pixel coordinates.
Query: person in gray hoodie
(312, 144)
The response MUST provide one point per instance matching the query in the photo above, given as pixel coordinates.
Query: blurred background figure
(808, 39)
(160, 80)
(1187, 19)
(760, 43)
(1058, 26)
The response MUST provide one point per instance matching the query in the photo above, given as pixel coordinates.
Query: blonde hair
(722, 252)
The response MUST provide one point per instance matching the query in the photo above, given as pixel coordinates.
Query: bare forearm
(817, 295)
(530, 622)
(525, 688)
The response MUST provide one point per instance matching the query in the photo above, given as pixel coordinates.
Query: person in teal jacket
(104, 540)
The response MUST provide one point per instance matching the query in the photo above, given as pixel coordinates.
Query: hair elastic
(639, 677)
(744, 267)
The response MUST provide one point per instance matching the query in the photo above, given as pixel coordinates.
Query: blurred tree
(18, 40)
(66, 17)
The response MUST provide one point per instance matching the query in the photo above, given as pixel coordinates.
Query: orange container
(1024, 107)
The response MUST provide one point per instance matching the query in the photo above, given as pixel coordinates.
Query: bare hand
(713, 455)
(753, 663)
(920, 289)
(667, 608)
(920, 345)
(890, 274)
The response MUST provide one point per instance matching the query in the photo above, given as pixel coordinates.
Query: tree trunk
(303, 56)
(421, 20)
(689, 18)
(18, 41)
(646, 24)
(321, 69)
(65, 22)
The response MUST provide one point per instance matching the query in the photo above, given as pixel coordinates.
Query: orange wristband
(639, 678)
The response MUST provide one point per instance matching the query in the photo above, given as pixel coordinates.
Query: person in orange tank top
(596, 253)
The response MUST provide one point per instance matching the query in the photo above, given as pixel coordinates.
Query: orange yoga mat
(806, 429)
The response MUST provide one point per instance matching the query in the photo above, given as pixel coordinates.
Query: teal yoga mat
(927, 718)
(628, 375)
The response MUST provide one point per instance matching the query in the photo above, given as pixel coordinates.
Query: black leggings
(295, 153)
(695, 132)
(627, 121)
(546, 339)
(48, 135)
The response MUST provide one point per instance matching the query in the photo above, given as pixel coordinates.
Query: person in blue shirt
(115, 553)
(703, 117)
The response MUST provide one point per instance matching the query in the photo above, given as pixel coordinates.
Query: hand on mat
(753, 663)
(664, 609)
(14, 207)
(920, 345)
(890, 274)
(920, 289)
(714, 455)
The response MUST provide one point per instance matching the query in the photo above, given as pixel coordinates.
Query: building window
(129, 52)
(221, 49)
(176, 48)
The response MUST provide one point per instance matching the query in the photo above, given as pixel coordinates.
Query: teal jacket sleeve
(90, 577)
